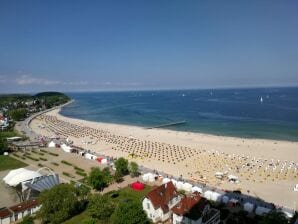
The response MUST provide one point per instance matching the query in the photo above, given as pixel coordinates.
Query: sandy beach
(267, 169)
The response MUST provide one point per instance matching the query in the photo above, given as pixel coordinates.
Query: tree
(133, 169)
(274, 217)
(27, 220)
(121, 165)
(18, 114)
(130, 212)
(99, 179)
(59, 203)
(100, 207)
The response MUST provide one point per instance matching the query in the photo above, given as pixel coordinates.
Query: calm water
(231, 112)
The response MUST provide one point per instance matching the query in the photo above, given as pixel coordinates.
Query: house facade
(19, 211)
(158, 203)
(194, 209)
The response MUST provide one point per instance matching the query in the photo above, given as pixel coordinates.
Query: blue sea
(270, 113)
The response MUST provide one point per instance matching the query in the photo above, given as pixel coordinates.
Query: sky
(72, 45)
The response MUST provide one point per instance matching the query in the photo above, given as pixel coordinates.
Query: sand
(267, 168)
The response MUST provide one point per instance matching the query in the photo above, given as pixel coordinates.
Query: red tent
(99, 159)
(137, 186)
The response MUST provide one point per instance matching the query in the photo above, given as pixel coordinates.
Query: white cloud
(31, 80)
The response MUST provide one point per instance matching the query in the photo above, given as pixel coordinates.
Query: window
(148, 206)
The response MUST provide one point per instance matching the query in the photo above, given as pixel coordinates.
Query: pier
(168, 124)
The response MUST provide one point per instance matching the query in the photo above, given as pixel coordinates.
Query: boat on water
(261, 99)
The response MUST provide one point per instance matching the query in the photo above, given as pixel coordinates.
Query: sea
(265, 113)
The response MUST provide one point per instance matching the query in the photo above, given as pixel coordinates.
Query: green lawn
(119, 196)
(9, 163)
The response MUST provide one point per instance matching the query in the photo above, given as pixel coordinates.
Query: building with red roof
(195, 209)
(158, 203)
(19, 211)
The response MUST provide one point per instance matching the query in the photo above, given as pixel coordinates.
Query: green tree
(274, 217)
(100, 207)
(130, 212)
(27, 220)
(3, 145)
(133, 169)
(99, 179)
(59, 203)
(121, 165)
(18, 114)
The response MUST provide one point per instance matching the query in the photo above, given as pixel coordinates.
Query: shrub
(66, 163)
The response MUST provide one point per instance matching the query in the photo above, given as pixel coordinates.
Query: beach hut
(187, 187)
(249, 207)
(262, 210)
(196, 189)
(233, 178)
(219, 175)
(137, 186)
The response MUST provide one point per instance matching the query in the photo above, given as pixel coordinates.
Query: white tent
(187, 187)
(66, 148)
(20, 176)
(225, 199)
(196, 189)
(179, 185)
(104, 161)
(212, 195)
(52, 144)
(249, 207)
(90, 156)
(216, 197)
(165, 180)
(262, 211)
(149, 177)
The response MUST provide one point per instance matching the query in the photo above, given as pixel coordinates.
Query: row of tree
(99, 179)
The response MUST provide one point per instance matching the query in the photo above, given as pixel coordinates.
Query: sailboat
(261, 99)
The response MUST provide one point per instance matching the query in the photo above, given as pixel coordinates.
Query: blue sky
(75, 45)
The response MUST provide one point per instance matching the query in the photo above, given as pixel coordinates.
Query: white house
(194, 209)
(158, 203)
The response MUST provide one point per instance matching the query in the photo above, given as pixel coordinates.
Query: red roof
(4, 212)
(24, 206)
(161, 196)
(191, 206)
(138, 186)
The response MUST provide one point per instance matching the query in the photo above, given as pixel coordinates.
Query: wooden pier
(168, 124)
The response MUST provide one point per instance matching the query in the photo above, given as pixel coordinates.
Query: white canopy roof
(15, 177)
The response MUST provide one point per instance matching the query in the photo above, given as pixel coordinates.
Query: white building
(158, 203)
(194, 209)
(19, 211)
